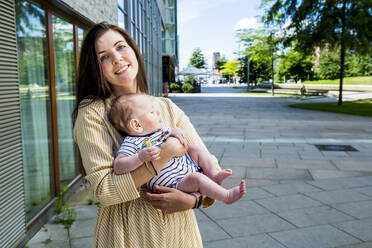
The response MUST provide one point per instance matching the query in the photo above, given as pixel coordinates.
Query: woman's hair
(91, 83)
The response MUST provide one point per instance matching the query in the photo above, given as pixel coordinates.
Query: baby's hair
(121, 111)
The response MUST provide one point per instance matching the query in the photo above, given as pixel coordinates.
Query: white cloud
(247, 23)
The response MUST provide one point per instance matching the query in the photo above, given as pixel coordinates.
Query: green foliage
(90, 201)
(220, 62)
(329, 65)
(66, 217)
(175, 87)
(295, 64)
(230, 67)
(189, 79)
(197, 59)
(347, 81)
(187, 88)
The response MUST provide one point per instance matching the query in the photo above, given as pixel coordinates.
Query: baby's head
(134, 114)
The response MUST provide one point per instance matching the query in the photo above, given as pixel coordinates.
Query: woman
(110, 65)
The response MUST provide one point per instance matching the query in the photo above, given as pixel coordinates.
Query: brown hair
(90, 81)
(121, 111)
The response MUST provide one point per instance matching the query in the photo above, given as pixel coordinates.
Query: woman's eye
(121, 47)
(104, 57)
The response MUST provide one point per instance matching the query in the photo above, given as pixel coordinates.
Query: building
(170, 42)
(39, 50)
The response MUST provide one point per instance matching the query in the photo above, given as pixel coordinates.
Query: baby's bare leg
(204, 160)
(198, 182)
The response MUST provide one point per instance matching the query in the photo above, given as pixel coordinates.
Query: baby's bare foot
(222, 175)
(236, 193)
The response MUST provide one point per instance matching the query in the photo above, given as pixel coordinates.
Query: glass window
(65, 92)
(35, 102)
(121, 21)
(121, 3)
(80, 37)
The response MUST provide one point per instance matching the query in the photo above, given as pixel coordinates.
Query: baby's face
(149, 117)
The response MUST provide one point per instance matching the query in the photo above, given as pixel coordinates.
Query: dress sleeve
(182, 121)
(95, 143)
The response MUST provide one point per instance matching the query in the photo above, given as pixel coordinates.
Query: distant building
(39, 49)
(215, 76)
(215, 58)
(170, 42)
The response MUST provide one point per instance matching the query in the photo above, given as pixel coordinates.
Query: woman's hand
(171, 200)
(177, 133)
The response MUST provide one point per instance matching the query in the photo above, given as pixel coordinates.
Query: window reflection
(65, 93)
(35, 111)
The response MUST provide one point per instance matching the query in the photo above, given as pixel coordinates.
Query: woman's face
(119, 62)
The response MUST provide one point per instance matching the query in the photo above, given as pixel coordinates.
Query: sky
(211, 26)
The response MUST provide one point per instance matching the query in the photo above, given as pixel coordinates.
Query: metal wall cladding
(12, 210)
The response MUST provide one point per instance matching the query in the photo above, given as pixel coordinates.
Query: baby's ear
(135, 125)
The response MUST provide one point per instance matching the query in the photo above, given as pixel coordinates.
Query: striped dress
(125, 218)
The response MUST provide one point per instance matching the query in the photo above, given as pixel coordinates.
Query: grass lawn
(347, 80)
(362, 108)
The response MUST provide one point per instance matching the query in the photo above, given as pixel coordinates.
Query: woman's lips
(122, 69)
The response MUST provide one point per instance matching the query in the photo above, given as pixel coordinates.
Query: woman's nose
(116, 58)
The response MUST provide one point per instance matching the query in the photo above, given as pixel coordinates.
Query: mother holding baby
(111, 65)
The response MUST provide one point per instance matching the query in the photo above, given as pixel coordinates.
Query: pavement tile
(86, 212)
(314, 216)
(338, 196)
(314, 237)
(314, 164)
(82, 242)
(341, 183)
(359, 209)
(228, 162)
(360, 245)
(365, 190)
(290, 188)
(240, 208)
(327, 174)
(354, 165)
(200, 216)
(256, 241)
(277, 174)
(290, 202)
(231, 182)
(260, 182)
(209, 231)
(261, 163)
(82, 229)
(50, 244)
(257, 193)
(256, 224)
(361, 229)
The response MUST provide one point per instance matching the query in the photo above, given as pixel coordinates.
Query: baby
(135, 115)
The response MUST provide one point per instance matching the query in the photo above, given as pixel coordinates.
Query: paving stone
(365, 190)
(365, 181)
(82, 229)
(314, 237)
(261, 163)
(211, 231)
(359, 209)
(82, 242)
(230, 182)
(361, 229)
(313, 164)
(354, 165)
(240, 208)
(200, 216)
(360, 245)
(327, 174)
(257, 193)
(333, 154)
(277, 174)
(338, 196)
(256, 241)
(86, 212)
(290, 202)
(290, 188)
(50, 244)
(228, 162)
(341, 183)
(256, 224)
(314, 216)
(259, 182)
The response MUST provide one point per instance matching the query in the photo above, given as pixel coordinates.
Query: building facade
(39, 51)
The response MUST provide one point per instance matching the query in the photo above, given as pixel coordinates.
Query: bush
(175, 87)
(187, 88)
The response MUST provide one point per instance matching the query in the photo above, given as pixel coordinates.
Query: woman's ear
(135, 125)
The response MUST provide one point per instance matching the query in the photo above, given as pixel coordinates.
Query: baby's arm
(125, 164)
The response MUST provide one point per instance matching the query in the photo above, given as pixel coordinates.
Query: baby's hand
(149, 154)
(177, 133)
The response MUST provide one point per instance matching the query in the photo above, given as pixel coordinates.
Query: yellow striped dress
(125, 217)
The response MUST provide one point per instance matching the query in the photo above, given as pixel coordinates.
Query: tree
(295, 64)
(197, 59)
(344, 24)
(220, 62)
(230, 68)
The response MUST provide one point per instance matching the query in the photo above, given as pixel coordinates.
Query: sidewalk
(298, 196)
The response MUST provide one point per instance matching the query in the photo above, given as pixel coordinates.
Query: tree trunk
(342, 53)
